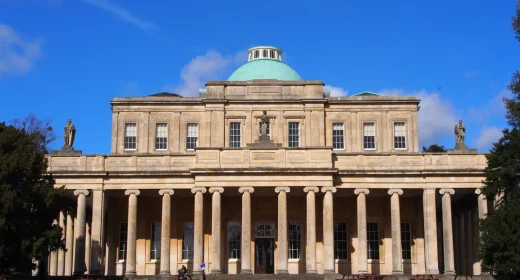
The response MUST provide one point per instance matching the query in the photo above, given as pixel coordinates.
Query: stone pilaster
(198, 228)
(165, 231)
(328, 229)
(61, 253)
(97, 231)
(216, 228)
(430, 232)
(395, 213)
(362, 229)
(468, 220)
(81, 216)
(310, 253)
(69, 244)
(131, 233)
(53, 262)
(245, 258)
(447, 232)
(462, 244)
(482, 214)
(282, 230)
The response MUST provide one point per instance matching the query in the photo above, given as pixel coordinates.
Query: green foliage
(433, 148)
(28, 201)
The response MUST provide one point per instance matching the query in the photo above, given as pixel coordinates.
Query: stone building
(336, 184)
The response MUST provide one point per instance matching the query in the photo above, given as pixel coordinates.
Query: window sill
(341, 261)
(374, 261)
(184, 261)
(120, 261)
(294, 260)
(233, 260)
(153, 261)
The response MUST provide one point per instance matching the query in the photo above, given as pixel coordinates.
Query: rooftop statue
(460, 132)
(69, 133)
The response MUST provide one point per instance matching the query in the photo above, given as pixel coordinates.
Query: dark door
(264, 255)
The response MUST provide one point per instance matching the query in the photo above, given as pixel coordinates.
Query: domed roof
(264, 63)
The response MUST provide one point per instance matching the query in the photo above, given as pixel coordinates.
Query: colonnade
(61, 262)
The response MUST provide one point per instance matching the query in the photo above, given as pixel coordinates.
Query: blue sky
(63, 59)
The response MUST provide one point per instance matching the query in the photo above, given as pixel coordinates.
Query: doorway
(264, 256)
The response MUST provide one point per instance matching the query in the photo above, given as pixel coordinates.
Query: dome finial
(264, 52)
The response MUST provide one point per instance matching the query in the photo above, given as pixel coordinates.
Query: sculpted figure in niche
(264, 122)
(69, 133)
(460, 132)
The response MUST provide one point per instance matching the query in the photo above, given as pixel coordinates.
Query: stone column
(482, 214)
(131, 233)
(395, 212)
(81, 215)
(462, 244)
(69, 244)
(245, 258)
(87, 248)
(328, 230)
(447, 232)
(198, 228)
(53, 262)
(216, 228)
(362, 229)
(430, 232)
(97, 231)
(282, 230)
(61, 253)
(165, 231)
(468, 219)
(310, 253)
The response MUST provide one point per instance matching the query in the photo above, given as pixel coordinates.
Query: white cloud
(209, 66)
(16, 54)
(436, 116)
(488, 135)
(337, 91)
(495, 107)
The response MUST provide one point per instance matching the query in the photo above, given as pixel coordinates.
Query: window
(234, 135)
(338, 142)
(369, 136)
(234, 240)
(399, 135)
(193, 136)
(265, 230)
(294, 134)
(155, 244)
(271, 53)
(123, 230)
(256, 54)
(264, 53)
(130, 136)
(161, 136)
(373, 241)
(295, 239)
(340, 241)
(406, 241)
(187, 241)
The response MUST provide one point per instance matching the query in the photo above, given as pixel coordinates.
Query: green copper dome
(264, 63)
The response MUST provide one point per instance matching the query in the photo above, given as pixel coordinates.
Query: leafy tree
(500, 248)
(28, 202)
(433, 148)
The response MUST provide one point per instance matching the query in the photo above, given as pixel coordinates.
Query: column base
(246, 271)
(311, 272)
(282, 271)
(449, 272)
(362, 271)
(329, 271)
(215, 272)
(397, 272)
(130, 274)
(165, 273)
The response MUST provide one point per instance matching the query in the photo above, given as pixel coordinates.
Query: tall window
(406, 241)
(192, 137)
(130, 136)
(338, 142)
(340, 241)
(155, 244)
(234, 135)
(373, 241)
(234, 236)
(161, 136)
(294, 134)
(123, 231)
(399, 135)
(187, 241)
(369, 136)
(295, 239)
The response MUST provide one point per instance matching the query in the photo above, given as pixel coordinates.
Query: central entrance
(264, 248)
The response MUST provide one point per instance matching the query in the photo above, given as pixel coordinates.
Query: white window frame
(396, 125)
(155, 242)
(163, 138)
(123, 235)
(404, 241)
(338, 138)
(234, 253)
(369, 124)
(374, 241)
(126, 132)
(188, 125)
(289, 135)
(233, 143)
(337, 242)
(294, 240)
(187, 250)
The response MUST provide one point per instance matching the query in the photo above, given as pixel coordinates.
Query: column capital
(478, 191)
(129, 192)
(216, 189)
(326, 189)
(282, 189)
(198, 189)
(246, 189)
(83, 192)
(447, 191)
(311, 189)
(397, 191)
(166, 191)
(358, 191)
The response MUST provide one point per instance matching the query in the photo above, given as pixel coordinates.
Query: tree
(500, 248)
(433, 148)
(28, 201)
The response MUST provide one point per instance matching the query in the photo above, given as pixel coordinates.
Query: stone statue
(460, 132)
(69, 134)
(264, 122)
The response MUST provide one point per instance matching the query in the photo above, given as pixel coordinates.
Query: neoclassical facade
(341, 185)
